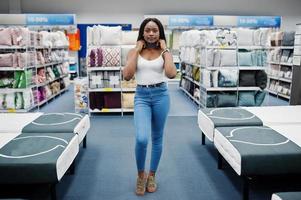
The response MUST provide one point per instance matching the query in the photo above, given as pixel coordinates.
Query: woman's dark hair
(159, 24)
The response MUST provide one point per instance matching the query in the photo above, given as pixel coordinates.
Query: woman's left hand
(162, 44)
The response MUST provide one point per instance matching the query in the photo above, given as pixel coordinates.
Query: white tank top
(150, 71)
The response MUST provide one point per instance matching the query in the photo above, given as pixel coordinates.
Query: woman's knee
(141, 142)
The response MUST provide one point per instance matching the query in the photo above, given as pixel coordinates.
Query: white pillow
(206, 78)
(214, 75)
(27, 98)
(110, 35)
(96, 35)
(245, 37)
(257, 37)
(89, 35)
(209, 56)
(1, 100)
(265, 36)
(10, 101)
(124, 52)
(129, 37)
(228, 58)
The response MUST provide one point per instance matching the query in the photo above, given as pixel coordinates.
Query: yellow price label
(108, 89)
(222, 46)
(11, 110)
(105, 110)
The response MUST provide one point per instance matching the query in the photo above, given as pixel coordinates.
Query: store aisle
(180, 105)
(106, 169)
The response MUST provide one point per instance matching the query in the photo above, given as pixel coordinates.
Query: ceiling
(212, 7)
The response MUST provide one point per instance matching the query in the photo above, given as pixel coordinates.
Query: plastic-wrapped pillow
(2, 100)
(124, 52)
(129, 37)
(6, 60)
(128, 100)
(288, 38)
(5, 36)
(110, 35)
(10, 101)
(111, 56)
(245, 58)
(245, 37)
(247, 78)
(259, 97)
(226, 100)
(19, 100)
(227, 77)
(246, 99)
(228, 58)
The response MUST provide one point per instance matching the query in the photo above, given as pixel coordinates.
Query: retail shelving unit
(280, 72)
(107, 48)
(109, 79)
(206, 89)
(296, 81)
(17, 71)
(24, 92)
(230, 79)
(56, 68)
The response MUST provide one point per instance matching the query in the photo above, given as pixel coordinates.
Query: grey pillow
(246, 99)
(259, 97)
(288, 38)
(247, 78)
(226, 100)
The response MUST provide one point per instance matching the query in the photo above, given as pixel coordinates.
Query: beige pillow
(128, 100)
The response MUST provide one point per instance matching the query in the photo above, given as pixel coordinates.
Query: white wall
(132, 11)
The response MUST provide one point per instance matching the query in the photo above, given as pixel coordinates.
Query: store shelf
(193, 98)
(51, 97)
(286, 64)
(47, 82)
(59, 47)
(248, 88)
(219, 89)
(13, 90)
(106, 110)
(191, 80)
(128, 89)
(16, 68)
(284, 96)
(50, 64)
(251, 68)
(272, 92)
(13, 47)
(105, 90)
(90, 69)
(127, 110)
(17, 110)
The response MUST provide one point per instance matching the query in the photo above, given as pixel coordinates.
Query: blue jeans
(150, 114)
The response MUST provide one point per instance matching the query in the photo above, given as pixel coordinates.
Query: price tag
(11, 110)
(108, 89)
(105, 110)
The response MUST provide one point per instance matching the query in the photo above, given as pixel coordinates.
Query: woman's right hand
(139, 45)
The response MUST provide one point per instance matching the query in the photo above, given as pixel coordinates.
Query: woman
(151, 61)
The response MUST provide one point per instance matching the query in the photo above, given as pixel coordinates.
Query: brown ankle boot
(140, 186)
(151, 185)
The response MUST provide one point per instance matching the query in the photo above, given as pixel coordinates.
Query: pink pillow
(5, 37)
(6, 60)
